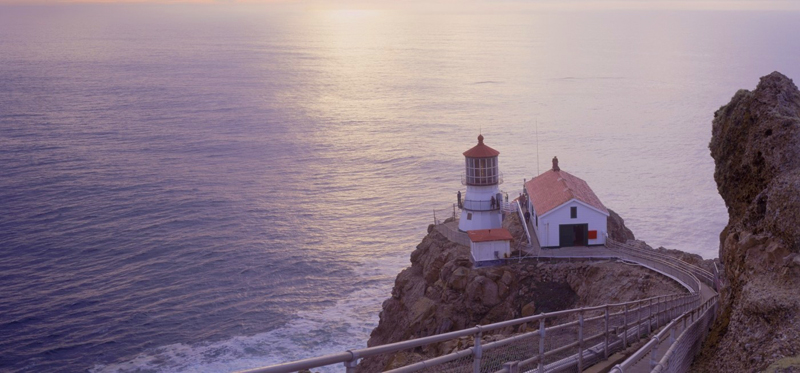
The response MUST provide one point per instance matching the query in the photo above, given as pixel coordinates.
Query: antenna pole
(537, 147)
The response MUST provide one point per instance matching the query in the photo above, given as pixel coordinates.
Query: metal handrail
(707, 315)
(700, 273)
(352, 356)
(668, 333)
(523, 222)
(480, 205)
(657, 262)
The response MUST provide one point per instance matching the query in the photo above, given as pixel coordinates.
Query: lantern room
(481, 165)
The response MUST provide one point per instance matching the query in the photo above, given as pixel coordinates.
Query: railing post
(476, 362)
(511, 367)
(605, 348)
(654, 353)
(649, 316)
(670, 310)
(350, 366)
(672, 302)
(639, 320)
(684, 324)
(658, 312)
(675, 304)
(625, 328)
(672, 336)
(541, 345)
(668, 307)
(580, 340)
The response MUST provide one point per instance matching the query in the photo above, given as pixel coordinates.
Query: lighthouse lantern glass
(482, 171)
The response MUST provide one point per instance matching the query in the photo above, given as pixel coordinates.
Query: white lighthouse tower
(480, 208)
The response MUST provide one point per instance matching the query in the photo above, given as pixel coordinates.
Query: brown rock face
(442, 292)
(617, 230)
(756, 148)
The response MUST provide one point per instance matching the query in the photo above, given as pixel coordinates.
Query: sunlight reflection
(350, 14)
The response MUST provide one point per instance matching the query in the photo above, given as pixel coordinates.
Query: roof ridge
(563, 187)
(563, 181)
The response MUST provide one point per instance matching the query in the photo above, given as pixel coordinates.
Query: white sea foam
(346, 325)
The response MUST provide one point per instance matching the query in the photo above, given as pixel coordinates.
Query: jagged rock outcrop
(617, 230)
(756, 147)
(442, 292)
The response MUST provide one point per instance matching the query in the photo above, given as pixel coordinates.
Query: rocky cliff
(442, 292)
(756, 147)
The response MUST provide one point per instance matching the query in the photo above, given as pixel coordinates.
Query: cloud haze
(476, 5)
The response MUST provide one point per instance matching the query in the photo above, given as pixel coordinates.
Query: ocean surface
(212, 188)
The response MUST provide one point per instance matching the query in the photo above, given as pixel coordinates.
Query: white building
(564, 210)
(489, 244)
(480, 207)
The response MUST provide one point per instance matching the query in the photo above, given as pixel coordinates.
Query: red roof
(485, 235)
(481, 151)
(554, 188)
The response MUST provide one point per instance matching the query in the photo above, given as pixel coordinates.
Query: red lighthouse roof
(481, 150)
(485, 235)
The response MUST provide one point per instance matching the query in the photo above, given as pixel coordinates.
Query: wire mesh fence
(463, 364)
(564, 341)
(498, 353)
(572, 341)
(680, 355)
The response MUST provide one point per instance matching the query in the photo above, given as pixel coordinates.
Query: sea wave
(345, 325)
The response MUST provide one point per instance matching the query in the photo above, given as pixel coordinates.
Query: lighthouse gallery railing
(574, 338)
(482, 180)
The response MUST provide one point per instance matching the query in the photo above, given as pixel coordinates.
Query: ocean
(213, 188)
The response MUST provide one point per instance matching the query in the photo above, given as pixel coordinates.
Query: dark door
(573, 235)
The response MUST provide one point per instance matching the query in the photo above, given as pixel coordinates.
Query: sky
(476, 5)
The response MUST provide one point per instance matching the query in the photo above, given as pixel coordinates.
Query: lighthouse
(480, 208)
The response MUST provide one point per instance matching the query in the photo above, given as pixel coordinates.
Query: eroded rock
(756, 147)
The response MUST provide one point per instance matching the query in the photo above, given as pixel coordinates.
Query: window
(482, 171)
(469, 216)
(573, 212)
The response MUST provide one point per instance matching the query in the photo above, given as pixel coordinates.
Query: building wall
(482, 251)
(480, 219)
(548, 229)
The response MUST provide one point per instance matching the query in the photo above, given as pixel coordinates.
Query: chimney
(555, 164)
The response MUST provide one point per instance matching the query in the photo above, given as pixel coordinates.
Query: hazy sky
(478, 5)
